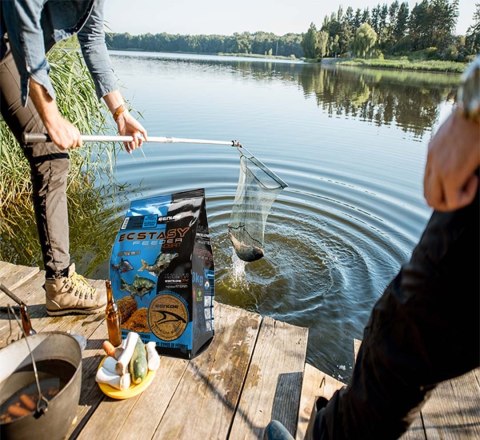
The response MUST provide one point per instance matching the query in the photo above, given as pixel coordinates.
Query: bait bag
(162, 273)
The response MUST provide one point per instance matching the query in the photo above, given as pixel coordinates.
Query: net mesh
(257, 189)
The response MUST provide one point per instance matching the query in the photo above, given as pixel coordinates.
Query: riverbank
(400, 64)
(256, 55)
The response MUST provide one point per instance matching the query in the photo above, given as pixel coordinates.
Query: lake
(351, 145)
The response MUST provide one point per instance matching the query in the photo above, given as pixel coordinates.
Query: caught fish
(123, 266)
(246, 252)
(140, 286)
(160, 264)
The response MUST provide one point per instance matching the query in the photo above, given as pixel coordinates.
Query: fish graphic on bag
(161, 263)
(140, 286)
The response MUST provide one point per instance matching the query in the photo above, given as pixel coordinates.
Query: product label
(167, 317)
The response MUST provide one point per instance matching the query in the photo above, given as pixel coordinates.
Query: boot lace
(79, 286)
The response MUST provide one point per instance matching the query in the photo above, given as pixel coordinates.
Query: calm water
(350, 144)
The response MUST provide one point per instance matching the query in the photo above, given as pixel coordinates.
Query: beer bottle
(112, 317)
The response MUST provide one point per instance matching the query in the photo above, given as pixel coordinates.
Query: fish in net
(257, 189)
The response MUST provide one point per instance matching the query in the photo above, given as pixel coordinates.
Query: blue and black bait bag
(162, 273)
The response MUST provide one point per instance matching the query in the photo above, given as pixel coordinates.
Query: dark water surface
(351, 144)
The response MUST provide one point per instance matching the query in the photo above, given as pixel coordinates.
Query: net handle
(32, 138)
(264, 168)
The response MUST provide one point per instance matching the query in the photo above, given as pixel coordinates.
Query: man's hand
(62, 133)
(129, 126)
(126, 123)
(450, 181)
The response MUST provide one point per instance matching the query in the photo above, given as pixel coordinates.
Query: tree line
(261, 43)
(392, 29)
(386, 29)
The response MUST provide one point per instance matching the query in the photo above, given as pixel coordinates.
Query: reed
(78, 103)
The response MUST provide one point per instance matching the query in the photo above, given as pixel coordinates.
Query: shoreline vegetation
(385, 36)
(401, 63)
(78, 103)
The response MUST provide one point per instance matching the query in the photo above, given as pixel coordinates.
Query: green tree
(364, 41)
(309, 42)
(472, 37)
(334, 45)
(401, 24)
(357, 20)
(432, 23)
(322, 41)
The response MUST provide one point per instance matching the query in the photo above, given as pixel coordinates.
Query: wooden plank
(32, 293)
(5, 267)
(315, 384)
(13, 276)
(131, 418)
(416, 431)
(204, 403)
(90, 395)
(273, 385)
(453, 409)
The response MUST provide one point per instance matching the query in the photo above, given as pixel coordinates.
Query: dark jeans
(49, 168)
(423, 330)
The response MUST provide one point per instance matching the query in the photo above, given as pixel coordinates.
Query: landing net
(257, 189)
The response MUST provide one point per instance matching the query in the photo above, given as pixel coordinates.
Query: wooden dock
(255, 370)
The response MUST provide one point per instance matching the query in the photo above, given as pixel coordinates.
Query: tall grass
(78, 103)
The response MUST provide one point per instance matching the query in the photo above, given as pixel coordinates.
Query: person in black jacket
(425, 327)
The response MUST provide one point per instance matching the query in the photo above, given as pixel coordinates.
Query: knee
(50, 174)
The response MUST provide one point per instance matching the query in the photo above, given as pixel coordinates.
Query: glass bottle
(112, 317)
(26, 323)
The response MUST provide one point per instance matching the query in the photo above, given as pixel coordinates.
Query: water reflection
(93, 226)
(408, 100)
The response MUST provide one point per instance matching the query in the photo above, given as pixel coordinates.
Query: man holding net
(28, 29)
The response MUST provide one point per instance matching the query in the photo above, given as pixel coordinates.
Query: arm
(64, 134)
(94, 49)
(450, 181)
(126, 123)
(22, 22)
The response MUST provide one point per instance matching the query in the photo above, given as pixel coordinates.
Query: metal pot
(52, 348)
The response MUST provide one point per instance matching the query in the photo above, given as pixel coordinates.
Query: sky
(227, 17)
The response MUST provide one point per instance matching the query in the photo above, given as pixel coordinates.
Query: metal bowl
(50, 347)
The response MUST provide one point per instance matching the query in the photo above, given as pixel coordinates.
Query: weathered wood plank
(90, 395)
(205, 400)
(5, 267)
(273, 385)
(315, 384)
(158, 396)
(416, 431)
(13, 276)
(453, 410)
(32, 293)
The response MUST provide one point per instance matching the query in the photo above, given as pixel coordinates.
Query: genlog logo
(167, 317)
